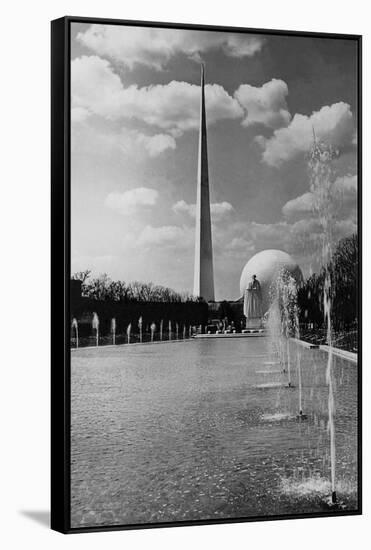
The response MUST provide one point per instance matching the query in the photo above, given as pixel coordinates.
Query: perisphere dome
(266, 265)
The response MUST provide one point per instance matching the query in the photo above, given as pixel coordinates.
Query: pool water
(205, 429)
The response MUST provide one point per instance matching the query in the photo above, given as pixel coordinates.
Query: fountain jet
(95, 326)
(322, 177)
(75, 326)
(140, 325)
(113, 330)
(153, 328)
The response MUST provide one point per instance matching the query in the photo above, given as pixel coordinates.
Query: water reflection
(181, 432)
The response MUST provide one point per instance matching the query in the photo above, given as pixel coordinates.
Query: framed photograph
(206, 274)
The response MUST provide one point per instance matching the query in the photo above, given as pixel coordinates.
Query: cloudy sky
(135, 114)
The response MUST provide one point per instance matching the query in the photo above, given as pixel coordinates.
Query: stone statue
(252, 307)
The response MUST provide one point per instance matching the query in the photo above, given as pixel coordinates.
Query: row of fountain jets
(153, 327)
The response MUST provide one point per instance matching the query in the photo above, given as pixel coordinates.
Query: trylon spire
(203, 269)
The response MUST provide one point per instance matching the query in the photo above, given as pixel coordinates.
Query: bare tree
(103, 288)
(81, 276)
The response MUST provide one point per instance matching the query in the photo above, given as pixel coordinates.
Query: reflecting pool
(205, 429)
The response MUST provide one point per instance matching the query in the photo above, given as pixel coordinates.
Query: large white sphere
(266, 265)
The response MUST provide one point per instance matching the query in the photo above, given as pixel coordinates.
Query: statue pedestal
(252, 307)
(254, 323)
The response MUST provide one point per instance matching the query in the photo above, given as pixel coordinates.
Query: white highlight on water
(269, 385)
(314, 486)
(277, 417)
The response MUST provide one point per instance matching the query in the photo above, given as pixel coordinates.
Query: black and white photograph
(214, 282)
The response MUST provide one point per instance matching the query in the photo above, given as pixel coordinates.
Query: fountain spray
(113, 330)
(300, 416)
(95, 326)
(184, 332)
(169, 330)
(322, 177)
(177, 331)
(298, 366)
(128, 331)
(286, 313)
(75, 326)
(286, 297)
(288, 363)
(161, 328)
(275, 329)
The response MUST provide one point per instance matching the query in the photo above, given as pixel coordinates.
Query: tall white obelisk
(204, 272)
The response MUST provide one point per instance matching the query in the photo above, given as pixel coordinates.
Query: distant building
(266, 265)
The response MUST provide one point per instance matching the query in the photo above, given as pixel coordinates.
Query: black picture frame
(60, 271)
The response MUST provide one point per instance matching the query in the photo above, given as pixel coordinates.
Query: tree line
(103, 288)
(343, 270)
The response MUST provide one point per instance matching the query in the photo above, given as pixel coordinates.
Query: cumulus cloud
(333, 124)
(96, 141)
(343, 193)
(97, 89)
(166, 236)
(268, 235)
(134, 143)
(344, 228)
(219, 210)
(241, 245)
(295, 237)
(155, 47)
(94, 86)
(157, 144)
(303, 203)
(240, 45)
(79, 114)
(266, 104)
(346, 185)
(130, 201)
(182, 207)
